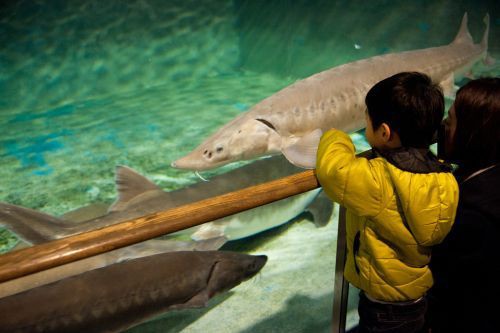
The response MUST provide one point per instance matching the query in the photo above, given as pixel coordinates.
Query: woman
(466, 266)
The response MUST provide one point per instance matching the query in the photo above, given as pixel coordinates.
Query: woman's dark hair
(411, 104)
(477, 135)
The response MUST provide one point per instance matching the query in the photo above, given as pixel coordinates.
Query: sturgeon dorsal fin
(130, 184)
(303, 152)
(463, 35)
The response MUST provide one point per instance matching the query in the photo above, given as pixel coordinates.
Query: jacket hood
(427, 199)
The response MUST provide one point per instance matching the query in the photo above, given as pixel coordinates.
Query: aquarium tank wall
(86, 86)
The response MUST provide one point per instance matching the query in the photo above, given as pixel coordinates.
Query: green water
(88, 85)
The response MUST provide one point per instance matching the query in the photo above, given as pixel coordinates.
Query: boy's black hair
(410, 104)
(477, 136)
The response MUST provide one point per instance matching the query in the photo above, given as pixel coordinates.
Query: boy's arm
(348, 180)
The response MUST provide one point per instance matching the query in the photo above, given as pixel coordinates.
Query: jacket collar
(413, 160)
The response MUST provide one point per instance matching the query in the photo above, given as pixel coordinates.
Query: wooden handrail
(62, 251)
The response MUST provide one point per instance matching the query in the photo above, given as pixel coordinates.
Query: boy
(399, 203)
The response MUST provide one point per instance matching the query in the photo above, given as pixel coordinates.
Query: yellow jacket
(387, 252)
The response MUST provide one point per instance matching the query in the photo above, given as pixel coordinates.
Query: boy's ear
(386, 132)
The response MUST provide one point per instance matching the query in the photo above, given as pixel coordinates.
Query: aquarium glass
(89, 85)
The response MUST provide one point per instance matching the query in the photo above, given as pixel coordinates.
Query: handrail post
(341, 286)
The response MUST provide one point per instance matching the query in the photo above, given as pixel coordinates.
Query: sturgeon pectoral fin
(207, 231)
(448, 85)
(303, 152)
(489, 60)
(211, 244)
(469, 75)
(321, 209)
(199, 300)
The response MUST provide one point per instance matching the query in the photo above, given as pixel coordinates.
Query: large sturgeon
(119, 296)
(138, 196)
(140, 250)
(292, 120)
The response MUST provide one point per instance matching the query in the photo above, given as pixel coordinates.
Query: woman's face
(450, 127)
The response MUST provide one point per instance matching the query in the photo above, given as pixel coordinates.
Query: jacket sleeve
(350, 181)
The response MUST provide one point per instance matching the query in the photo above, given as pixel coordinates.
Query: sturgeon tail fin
(463, 35)
(32, 226)
(488, 60)
(484, 41)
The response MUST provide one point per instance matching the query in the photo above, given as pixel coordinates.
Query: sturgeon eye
(219, 149)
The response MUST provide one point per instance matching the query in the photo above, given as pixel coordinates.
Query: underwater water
(88, 85)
